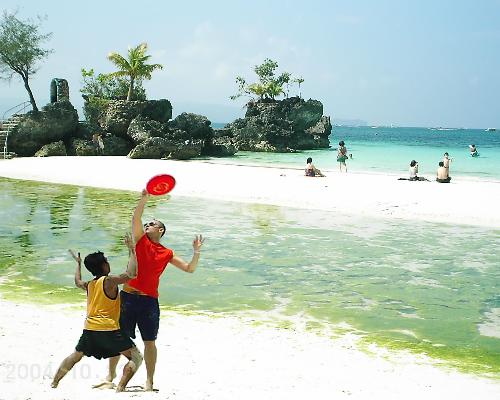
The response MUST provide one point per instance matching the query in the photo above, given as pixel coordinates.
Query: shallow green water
(425, 287)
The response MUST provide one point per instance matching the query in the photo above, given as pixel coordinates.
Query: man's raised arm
(137, 227)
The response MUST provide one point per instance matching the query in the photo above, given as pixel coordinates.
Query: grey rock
(185, 151)
(196, 126)
(221, 146)
(52, 149)
(116, 146)
(52, 123)
(83, 147)
(281, 126)
(119, 114)
(142, 128)
(154, 147)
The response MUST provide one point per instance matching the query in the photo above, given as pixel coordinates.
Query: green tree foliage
(98, 90)
(109, 87)
(134, 66)
(21, 49)
(269, 85)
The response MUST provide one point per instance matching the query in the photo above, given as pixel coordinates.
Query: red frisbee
(160, 184)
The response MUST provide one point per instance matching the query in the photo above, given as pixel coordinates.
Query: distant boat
(490, 130)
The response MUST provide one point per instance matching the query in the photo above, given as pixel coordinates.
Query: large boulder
(186, 150)
(52, 149)
(119, 114)
(281, 126)
(196, 126)
(142, 128)
(154, 147)
(116, 146)
(220, 146)
(52, 123)
(83, 147)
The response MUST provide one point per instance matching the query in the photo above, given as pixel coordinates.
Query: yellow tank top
(103, 313)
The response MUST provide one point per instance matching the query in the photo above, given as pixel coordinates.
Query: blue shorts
(141, 311)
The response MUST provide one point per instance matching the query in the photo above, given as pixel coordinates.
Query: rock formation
(281, 126)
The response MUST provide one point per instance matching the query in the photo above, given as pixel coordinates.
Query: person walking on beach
(139, 297)
(101, 337)
(342, 155)
(442, 173)
(311, 170)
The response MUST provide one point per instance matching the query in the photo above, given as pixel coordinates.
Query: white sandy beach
(220, 358)
(203, 357)
(460, 202)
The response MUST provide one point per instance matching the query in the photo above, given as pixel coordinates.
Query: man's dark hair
(441, 163)
(93, 262)
(162, 225)
(446, 154)
(341, 143)
(413, 163)
(309, 160)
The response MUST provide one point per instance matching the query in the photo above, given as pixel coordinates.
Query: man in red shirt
(139, 297)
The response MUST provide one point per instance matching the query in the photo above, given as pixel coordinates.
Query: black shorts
(141, 311)
(103, 344)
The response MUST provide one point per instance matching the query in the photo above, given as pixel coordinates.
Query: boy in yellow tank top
(101, 337)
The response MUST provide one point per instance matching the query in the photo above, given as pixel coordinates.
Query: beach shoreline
(229, 356)
(224, 358)
(464, 202)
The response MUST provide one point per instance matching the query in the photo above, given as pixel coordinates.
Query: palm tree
(134, 67)
(299, 81)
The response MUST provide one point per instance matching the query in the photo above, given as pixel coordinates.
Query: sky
(406, 63)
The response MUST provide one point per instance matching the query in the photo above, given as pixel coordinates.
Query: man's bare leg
(135, 359)
(66, 365)
(150, 353)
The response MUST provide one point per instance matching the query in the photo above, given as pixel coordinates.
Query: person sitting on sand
(443, 174)
(311, 170)
(342, 155)
(414, 172)
(101, 337)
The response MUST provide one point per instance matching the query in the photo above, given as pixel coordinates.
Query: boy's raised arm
(131, 271)
(137, 227)
(78, 272)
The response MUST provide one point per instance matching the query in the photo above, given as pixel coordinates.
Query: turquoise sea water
(384, 149)
(402, 284)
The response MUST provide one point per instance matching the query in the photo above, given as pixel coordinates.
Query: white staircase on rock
(6, 127)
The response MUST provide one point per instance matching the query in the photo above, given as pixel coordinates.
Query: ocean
(389, 150)
(423, 287)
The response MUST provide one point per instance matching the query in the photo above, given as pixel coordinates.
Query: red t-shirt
(152, 259)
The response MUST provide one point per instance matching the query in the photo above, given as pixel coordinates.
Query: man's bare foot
(104, 385)
(148, 387)
(54, 384)
(120, 389)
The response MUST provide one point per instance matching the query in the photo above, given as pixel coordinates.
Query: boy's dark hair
(446, 154)
(93, 262)
(441, 163)
(413, 163)
(309, 160)
(341, 143)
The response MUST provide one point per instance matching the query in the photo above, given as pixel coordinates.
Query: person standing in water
(139, 296)
(342, 155)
